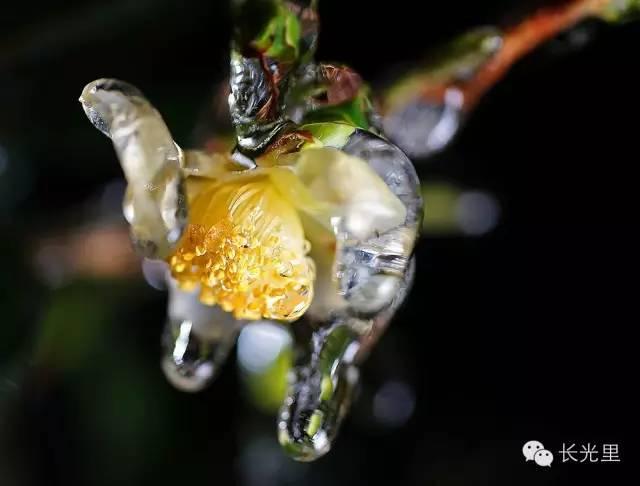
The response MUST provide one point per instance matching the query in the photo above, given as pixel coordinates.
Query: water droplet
(196, 341)
(182, 362)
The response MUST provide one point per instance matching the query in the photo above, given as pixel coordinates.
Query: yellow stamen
(246, 250)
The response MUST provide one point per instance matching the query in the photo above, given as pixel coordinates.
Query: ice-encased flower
(250, 235)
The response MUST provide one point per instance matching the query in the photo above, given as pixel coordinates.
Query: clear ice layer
(254, 109)
(423, 128)
(197, 340)
(370, 271)
(265, 68)
(155, 204)
(323, 384)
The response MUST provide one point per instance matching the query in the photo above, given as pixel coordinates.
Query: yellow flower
(267, 242)
(247, 245)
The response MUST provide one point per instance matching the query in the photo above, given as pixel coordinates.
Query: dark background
(525, 333)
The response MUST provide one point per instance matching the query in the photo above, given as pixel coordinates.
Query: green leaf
(354, 112)
(292, 33)
(330, 134)
(281, 37)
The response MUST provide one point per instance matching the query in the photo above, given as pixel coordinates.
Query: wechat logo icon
(535, 451)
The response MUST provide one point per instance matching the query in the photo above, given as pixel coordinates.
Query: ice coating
(423, 110)
(250, 94)
(320, 395)
(197, 340)
(358, 286)
(273, 40)
(155, 205)
(370, 270)
(323, 384)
